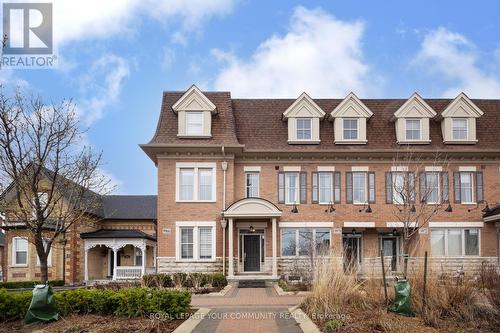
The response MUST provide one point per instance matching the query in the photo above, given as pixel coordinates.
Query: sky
(115, 58)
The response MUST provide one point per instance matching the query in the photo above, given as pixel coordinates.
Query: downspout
(223, 222)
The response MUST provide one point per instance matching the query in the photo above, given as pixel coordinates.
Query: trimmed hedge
(160, 280)
(29, 284)
(130, 302)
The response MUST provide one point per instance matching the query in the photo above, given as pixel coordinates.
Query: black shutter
(388, 187)
(348, 187)
(336, 187)
(479, 187)
(303, 187)
(445, 190)
(371, 187)
(281, 187)
(315, 195)
(456, 187)
(422, 187)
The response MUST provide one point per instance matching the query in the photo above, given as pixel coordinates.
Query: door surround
(260, 231)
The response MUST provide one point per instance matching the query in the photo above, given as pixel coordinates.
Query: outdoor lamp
(368, 209)
(295, 210)
(252, 229)
(448, 209)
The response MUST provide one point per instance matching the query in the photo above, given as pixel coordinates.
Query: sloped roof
(130, 207)
(116, 233)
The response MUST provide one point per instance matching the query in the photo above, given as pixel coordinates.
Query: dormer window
(304, 128)
(458, 122)
(194, 112)
(459, 128)
(350, 129)
(349, 121)
(413, 129)
(412, 121)
(194, 123)
(303, 118)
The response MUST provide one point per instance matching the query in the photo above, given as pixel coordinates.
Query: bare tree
(417, 193)
(51, 180)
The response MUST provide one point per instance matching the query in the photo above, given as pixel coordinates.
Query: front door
(390, 249)
(251, 253)
(352, 252)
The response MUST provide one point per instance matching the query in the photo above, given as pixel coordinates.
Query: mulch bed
(95, 324)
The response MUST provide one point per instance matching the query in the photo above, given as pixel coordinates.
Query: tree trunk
(406, 250)
(42, 255)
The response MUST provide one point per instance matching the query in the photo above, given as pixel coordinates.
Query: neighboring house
(118, 242)
(251, 180)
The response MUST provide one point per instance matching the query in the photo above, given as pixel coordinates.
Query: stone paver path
(251, 310)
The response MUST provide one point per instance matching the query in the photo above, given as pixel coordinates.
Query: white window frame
(350, 129)
(297, 239)
(329, 186)
(438, 174)
(287, 187)
(472, 188)
(196, 167)
(247, 187)
(14, 250)
(304, 129)
(466, 120)
(462, 236)
(365, 188)
(396, 194)
(190, 133)
(196, 242)
(419, 129)
(49, 257)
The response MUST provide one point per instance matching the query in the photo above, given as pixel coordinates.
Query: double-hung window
(432, 189)
(304, 128)
(400, 187)
(252, 184)
(196, 182)
(19, 251)
(468, 187)
(305, 241)
(194, 123)
(350, 129)
(455, 242)
(195, 241)
(413, 129)
(137, 256)
(325, 187)
(292, 188)
(459, 129)
(359, 187)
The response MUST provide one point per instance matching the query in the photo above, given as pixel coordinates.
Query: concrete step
(251, 284)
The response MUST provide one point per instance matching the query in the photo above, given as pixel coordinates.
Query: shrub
(490, 279)
(131, 302)
(157, 280)
(333, 325)
(218, 280)
(28, 284)
(197, 280)
(180, 280)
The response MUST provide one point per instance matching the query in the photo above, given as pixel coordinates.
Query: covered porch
(252, 243)
(118, 254)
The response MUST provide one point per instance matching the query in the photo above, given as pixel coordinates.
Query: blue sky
(116, 58)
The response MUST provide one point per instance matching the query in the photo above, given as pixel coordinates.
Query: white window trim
(310, 129)
(246, 183)
(196, 167)
(49, 258)
(357, 129)
(13, 257)
(419, 128)
(202, 124)
(466, 129)
(332, 188)
(196, 244)
(473, 188)
(297, 247)
(297, 192)
(462, 236)
(366, 188)
(438, 187)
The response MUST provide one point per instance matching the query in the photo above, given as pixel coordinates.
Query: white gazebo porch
(118, 255)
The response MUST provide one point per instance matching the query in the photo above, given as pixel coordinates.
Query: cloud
(450, 56)
(319, 54)
(97, 19)
(101, 86)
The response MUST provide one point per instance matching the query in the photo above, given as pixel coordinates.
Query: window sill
(350, 142)
(360, 203)
(194, 136)
(19, 266)
(195, 261)
(460, 142)
(414, 142)
(304, 142)
(195, 201)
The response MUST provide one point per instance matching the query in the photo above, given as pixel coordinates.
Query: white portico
(118, 254)
(252, 223)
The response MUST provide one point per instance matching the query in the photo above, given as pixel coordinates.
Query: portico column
(154, 257)
(143, 249)
(86, 265)
(231, 248)
(115, 261)
(275, 245)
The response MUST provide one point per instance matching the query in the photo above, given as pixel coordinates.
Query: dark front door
(251, 253)
(389, 247)
(351, 253)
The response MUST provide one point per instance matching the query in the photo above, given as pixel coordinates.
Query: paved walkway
(247, 310)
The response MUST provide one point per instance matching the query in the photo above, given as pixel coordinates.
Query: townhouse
(257, 186)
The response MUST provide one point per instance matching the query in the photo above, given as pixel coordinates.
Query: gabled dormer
(412, 121)
(303, 118)
(459, 121)
(194, 112)
(349, 121)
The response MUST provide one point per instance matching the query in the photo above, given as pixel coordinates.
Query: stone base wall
(170, 265)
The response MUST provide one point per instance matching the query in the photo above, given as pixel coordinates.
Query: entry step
(251, 284)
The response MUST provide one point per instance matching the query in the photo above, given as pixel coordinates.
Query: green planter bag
(402, 299)
(42, 307)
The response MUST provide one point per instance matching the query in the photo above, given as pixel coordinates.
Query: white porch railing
(128, 272)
